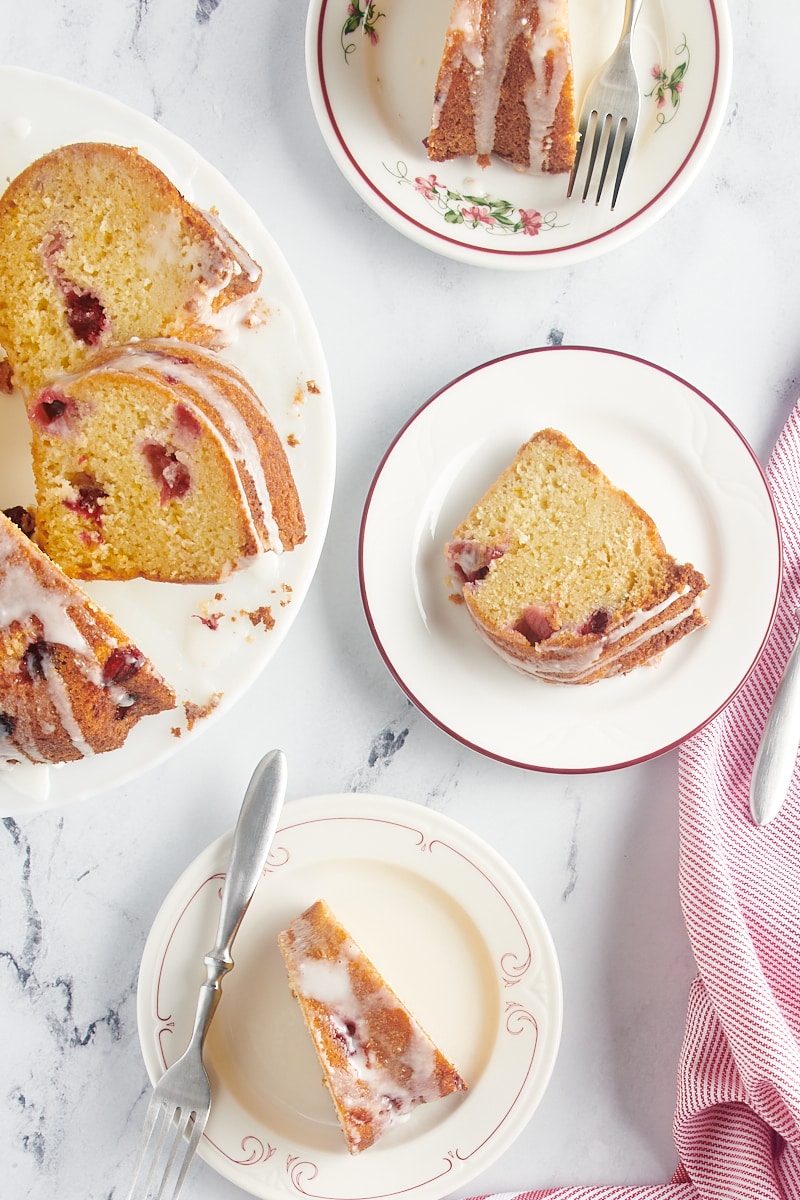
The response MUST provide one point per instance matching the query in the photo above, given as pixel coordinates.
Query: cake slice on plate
(72, 684)
(157, 459)
(505, 86)
(377, 1061)
(97, 245)
(564, 575)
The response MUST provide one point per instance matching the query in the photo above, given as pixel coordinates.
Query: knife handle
(777, 751)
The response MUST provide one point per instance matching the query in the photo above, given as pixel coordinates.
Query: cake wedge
(378, 1063)
(564, 575)
(505, 86)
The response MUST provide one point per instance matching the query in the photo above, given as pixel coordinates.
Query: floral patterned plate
(372, 70)
(454, 931)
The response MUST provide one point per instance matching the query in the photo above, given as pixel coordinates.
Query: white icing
(573, 665)
(22, 596)
(242, 260)
(42, 612)
(372, 1086)
(61, 702)
(489, 62)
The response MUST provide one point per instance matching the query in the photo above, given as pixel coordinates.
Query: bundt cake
(157, 459)
(71, 682)
(505, 86)
(564, 575)
(377, 1061)
(98, 246)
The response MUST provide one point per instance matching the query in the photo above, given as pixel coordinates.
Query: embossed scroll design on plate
(515, 967)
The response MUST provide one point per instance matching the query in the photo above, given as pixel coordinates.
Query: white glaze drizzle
(166, 363)
(490, 61)
(561, 664)
(372, 1086)
(23, 597)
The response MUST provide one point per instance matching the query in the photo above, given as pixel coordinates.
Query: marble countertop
(706, 292)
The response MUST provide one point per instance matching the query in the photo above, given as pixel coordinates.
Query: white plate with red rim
(201, 638)
(372, 69)
(652, 434)
(443, 917)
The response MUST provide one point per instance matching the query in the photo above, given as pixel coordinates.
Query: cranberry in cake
(157, 459)
(378, 1063)
(72, 684)
(98, 246)
(564, 575)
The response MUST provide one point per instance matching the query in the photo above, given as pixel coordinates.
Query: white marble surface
(708, 292)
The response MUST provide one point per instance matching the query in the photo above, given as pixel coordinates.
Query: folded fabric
(737, 1117)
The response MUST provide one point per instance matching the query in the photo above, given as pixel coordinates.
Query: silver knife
(777, 751)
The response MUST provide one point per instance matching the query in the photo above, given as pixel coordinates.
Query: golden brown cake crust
(564, 575)
(526, 114)
(378, 1063)
(71, 682)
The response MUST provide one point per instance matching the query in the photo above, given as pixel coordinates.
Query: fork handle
(255, 829)
(632, 10)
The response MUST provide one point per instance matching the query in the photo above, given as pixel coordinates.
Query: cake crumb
(6, 377)
(198, 712)
(262, 616)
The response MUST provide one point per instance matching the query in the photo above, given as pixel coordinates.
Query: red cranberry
(173, 475)
(23, 519)
(537, 623)
(32, 665)
(597, 622)
(88, 498)
(86, 316)
(186, 422)
(211, 621)
(122, 664)
(51, 407)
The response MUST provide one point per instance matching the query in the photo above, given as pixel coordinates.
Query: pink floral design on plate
(364, 19)
(494, 216)
(666, 91)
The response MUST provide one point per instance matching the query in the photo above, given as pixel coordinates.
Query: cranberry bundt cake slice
(378, 1063)
(505, 86)
(98, 246)
(158, 460)
(71, 682)
(564, 575)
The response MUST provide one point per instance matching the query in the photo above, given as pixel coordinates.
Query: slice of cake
(377, 1061)
(505, 86)
(71, 682)
(98, 246)
(564, 575)
(157, 459)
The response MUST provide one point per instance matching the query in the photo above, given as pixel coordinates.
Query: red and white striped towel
(737, 1118)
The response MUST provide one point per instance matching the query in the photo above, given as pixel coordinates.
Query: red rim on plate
(653, 434)
(443, 916)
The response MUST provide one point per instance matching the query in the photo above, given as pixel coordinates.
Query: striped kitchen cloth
(737, 1116)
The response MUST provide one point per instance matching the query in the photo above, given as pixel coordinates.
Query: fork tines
(615, 134)
(159, 1160)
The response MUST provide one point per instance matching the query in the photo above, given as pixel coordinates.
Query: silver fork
(611, 105)
(181, 1102)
